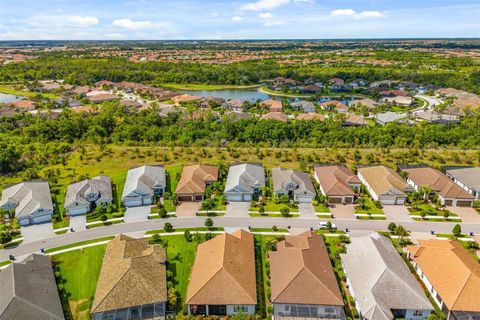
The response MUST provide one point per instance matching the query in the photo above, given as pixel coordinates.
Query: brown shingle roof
(133, 273)
(194, 178)
(335, 180)
(224, 271)
(437, 181)
(452, 271)
(301, 272)
(272, 105)
(310, 116)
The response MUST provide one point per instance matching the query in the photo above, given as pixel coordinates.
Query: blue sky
(239, 19)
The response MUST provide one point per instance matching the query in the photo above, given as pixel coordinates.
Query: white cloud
(132, 25)
(269, 4)
(357, 15)
(237, 18)
(266, 15)
(115, 35)
(82, 21)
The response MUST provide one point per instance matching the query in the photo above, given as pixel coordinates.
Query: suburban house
(451, 275)
(297, 185)
(185, 98)
(194, 181)
(305, 106)
(234, 105)
(384, 184)
(29, 290)
(31, 200)
(449, 193)
(132, 282)
(337, 182)
(223, 278)
(83, 196)
(380, 281)
(278, 116)
(334, 105)
(302, 280)
(398, 100)
(310, 117)
(272, 105)
(312, 89)
(102, 97)
(244, 181)
(142, 184)
(367, 103)
(389, 116)
(434, 117)
(467, 178)
(354, 120)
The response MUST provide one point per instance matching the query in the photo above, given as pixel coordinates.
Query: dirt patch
(80, 309)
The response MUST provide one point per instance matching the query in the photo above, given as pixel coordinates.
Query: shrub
(162, 213)
(457, 230)
(188, 236)
(392, 226)
(168, 227)
(275, 228)
(285, 211)
(208, 223)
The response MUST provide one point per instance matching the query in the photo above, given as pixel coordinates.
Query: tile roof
(337, 105)
(77, 192)
(380, 279)
(469, 176)
(336, 180)
(452, 271)
(310, 116)
(437, 181)
(384, 180)
(194, 178)
(141, 180)
(28, 196)
(272, 105)
(279, 116)
(224, 271)
(246, 176)
(29, 290)
(281, 177)
(133, 273)
(301, 272)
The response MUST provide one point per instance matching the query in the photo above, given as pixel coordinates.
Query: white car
(323, 225)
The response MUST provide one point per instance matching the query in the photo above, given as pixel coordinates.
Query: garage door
(42, 219)
(335, 200)
(133, 202)
(448, 202)
(184, 198)
(77, 211)
(301, 199)
(349, 200)
(464, 203)
(198, 197)
(234, 197)
(387, 200)
(247, 197)
(148, 201)
(400, 201)
(24, 222)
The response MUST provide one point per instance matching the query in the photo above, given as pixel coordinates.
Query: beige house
(384, 184)
(223, 276)
(132, 282)
(337, 182)
(194, 181)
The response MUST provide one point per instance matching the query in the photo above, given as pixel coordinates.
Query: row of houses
(459, 186)
(133, 280)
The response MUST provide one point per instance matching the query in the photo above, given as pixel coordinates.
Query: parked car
(323, 225)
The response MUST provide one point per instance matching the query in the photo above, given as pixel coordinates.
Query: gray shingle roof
(29, 291)
(28, 197)
(380, 279)
(469, 176)
(77, 192)
(389, 116)
(281, 177)
(141, 180)
(246, 176)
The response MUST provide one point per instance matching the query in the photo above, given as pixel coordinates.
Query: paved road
(228, 222)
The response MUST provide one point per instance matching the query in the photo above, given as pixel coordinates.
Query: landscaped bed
(431, 213)
(367, 206)
(271, 206)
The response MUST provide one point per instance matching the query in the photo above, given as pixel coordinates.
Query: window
(240, 308)
(417, 313)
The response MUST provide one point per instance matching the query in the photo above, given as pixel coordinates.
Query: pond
(6, 98)
(242, 94)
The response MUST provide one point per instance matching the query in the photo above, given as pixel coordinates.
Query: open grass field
(79, 271)
(8, 89)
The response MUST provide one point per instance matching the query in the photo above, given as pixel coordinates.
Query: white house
(244, 181)
(467, 178)
(297, 185)
(142, 184)
(31, 200)
(83, 195)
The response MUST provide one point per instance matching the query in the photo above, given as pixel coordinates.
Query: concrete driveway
(237, 209)
(37, 232)
(188, 209)
(396, 213)
(78, 223)
(306, 210)
(343, 211)
(466, 213)
(136, 214)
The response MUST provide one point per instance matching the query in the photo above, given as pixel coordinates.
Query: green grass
(103, 224)
(263, 290)
(183, 229)
(371, 208)
(271, 206)
(4, 263)
(429, 210)
(268, 230)
(451, 236)
(28, 94)
(273, 215)
(194, 86)
(371, 218)
(330, 231)
(77, 244)
(321, 208)
(79, 272)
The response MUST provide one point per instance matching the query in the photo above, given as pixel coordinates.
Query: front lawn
(79, 271)
(367, 206)
(271, 206)
(428, 210)
(321, 208)
(217, 203)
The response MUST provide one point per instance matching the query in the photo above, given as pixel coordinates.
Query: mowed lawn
(80, 270)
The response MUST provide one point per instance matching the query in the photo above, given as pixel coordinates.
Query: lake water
(242, 94)
(6, 98)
